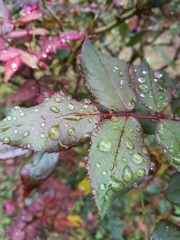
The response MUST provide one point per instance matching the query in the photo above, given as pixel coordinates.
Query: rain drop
(116, 186)
(137, 158)
(142, 95)
(104, 172)
(124, 160)
(104, 145)
(164, 104)
(140, 172)
(176, 159)
(26, 134)
(121, 83)
(135, 185)
(71, 131)
(58, 100)
(157, 74)
(22, 114)
(121, 74)
(143, 88)
(127, 173)
(54, 109)
(98, 165)
(42, 135)
(94, 192)
(161, 97)
(102, 186)
(106, 198)
(142, 79)
(6, 140)
(144, 72)
(90, 120)
(70, 106)
(129, 144)
(42, 124)
(54, 132)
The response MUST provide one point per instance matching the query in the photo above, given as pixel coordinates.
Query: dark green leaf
(165, 231)
(172, 192)
(176, 101)
(58, 123)
(168, 136)
(136, 38)
(151, 90)
(118, 160)
(157, 3)
(107, 78)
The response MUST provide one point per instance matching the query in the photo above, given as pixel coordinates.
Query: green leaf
(58, 123)
(107, 78)
(172, 192)
(43, 165)
(136, 38)
(151, 90)
(165, 231)
(176, 101)
(148, 125)
(168, 136)
(118, 160)
(157, 3)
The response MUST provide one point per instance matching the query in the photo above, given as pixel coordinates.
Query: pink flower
(90, 217)
(9, 208)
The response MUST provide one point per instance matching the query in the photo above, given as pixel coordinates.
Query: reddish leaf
(11, 67)
(5, 19)
(45, 92)
(29, 59)
(2, 44)
(24, 93)
(35, 15)
(9, 53)
(39, 31)
(71, 36)
(17, 33)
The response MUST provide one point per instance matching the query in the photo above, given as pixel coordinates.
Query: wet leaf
(151, 91)
(57, 123)
(118, 160)
(168, 136)
(172, 193)
(165, 231)
(106, 77)
(43, 165)
(176, 101)
(11, 67)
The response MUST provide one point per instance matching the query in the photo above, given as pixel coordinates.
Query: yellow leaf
(85, 186)
(76, 220)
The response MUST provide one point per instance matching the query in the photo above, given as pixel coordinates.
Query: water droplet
(144, 72)
(142, 95)
(14, 118)
(22, 114)
(116, 127)
(121, 74)
(36, 110)
(8, 118)
(98, 165)
(104, 172)
(127, 173)
(115, 68)
(63, 147)
(71, 131)
(16, 108)
(143, 88)
(114, 118)
(137, 158)
(43, 124)
(28, 145)
(85, 137)
(161, 97)
(54, 109)
(42, 135)
(140, 172)
(164, 104)
(106, 198)
(26, 134)
(54, 132)
(58, 100)
(129, 144)
(15, 131)
(121, 83)
(157, 74)
(132, 102)
(94, 192)
(138, 129)
(135, 185)
(6, 140)
(70, 106)
(171, 150)
(142, 79)
(116, 186)
(104, 145)
(176, 159)
(124, 160)
(102, 186)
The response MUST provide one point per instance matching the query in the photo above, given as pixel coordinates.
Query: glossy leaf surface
(118, 160)
(165, 231)
(172, 192)
(168, 136)
(58, 123)
(107, 78)
(151, 91)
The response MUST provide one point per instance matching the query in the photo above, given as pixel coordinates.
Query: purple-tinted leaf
(165, 230)
(17, 33)
(45, 92)
(107, 78)
(118, 160)
(172, 192)
(25, 92)
(2, 43)
(168, 136)
(11, 67)
(39, 31)
(71, 36)
(43, 165)
(7, 151)
(29, 59)
(151, 91)
(8, 54)
(5, 19)
(35, 15)
(58, 123)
